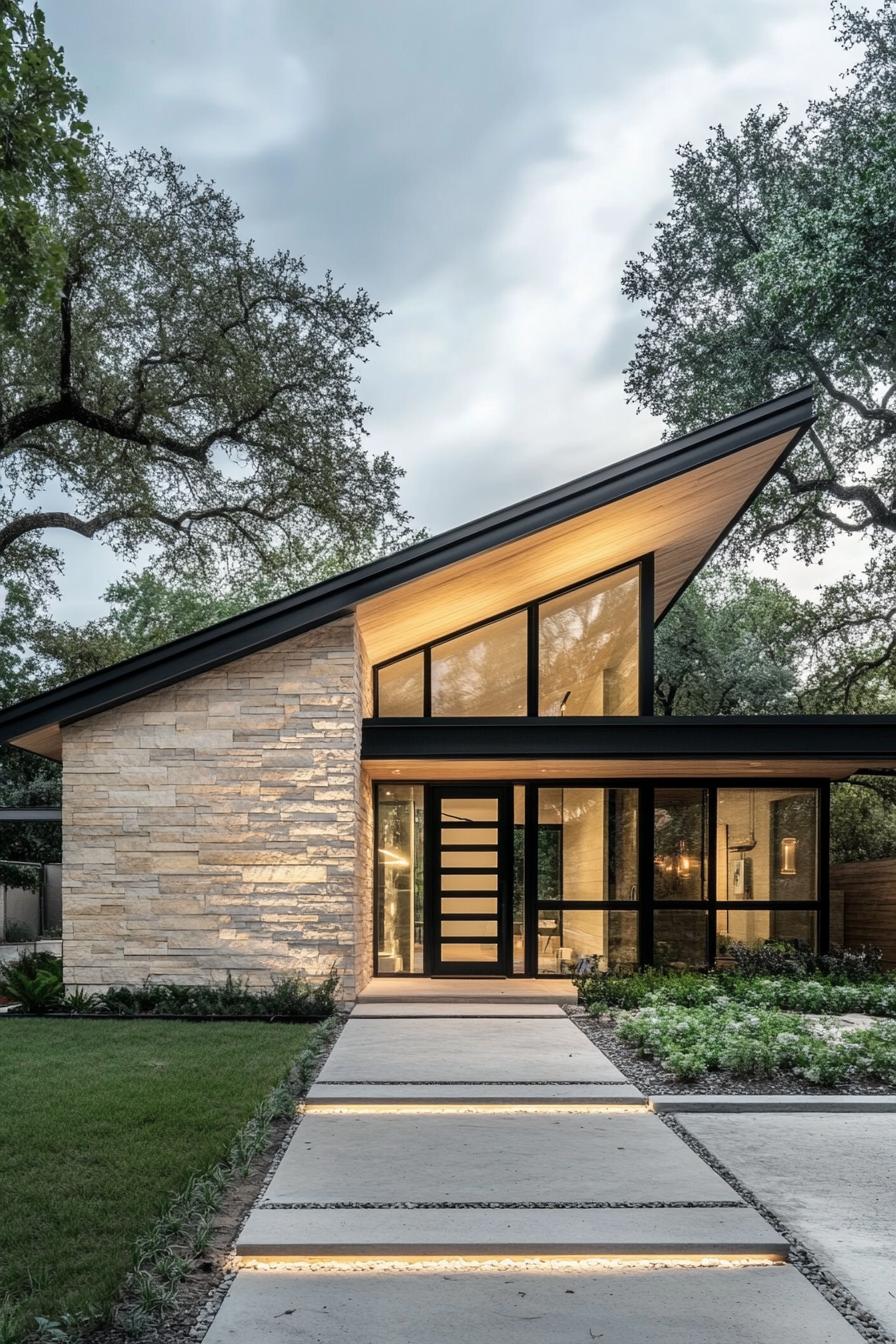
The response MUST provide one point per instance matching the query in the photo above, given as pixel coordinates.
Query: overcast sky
(482, 167)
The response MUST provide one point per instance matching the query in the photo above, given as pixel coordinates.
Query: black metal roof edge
(836, 736)
(332, 598)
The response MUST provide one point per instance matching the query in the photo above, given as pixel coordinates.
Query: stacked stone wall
(223, 824)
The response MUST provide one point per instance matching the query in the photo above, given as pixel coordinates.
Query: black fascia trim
(334, 598)
(841, 736)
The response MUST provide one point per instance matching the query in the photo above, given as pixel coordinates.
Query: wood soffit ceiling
(679, 520)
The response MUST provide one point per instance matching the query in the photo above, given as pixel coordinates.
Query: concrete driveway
(831, 1179)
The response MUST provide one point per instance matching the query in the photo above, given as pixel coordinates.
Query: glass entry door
(470, 874)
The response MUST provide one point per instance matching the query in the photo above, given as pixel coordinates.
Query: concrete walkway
(487, 1177)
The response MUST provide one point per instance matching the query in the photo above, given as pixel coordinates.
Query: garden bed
(653, 1079)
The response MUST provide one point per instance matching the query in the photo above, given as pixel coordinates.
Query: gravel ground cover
(652, 1078)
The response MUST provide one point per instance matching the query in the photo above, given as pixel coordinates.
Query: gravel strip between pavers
(522, 1204)
(653, 1080)
(468, 1082)
(830, 1287)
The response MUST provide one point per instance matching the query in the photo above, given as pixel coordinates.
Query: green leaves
(44, 139)
(775, 266)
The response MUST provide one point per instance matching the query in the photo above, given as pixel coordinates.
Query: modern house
(446, 762)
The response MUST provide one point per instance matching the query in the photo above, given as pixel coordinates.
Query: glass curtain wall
(680, 876)
(586, 881)
(575, 876)
(574, 653)
(766, 867)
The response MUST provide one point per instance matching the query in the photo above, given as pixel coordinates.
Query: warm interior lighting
(393, 860)
(787, 856)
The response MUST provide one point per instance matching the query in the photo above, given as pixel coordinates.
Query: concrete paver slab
(384, 1232)
(550, 1157)
(772, 1102)
(470, 1051)
(489, 1094)
(772, 1305)
(522, 1010)
(831, 1179)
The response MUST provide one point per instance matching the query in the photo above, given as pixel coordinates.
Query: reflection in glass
(482, 672)
(400, 688)
(679, 937)
(679, 844)
(566, 934)
(755, 927)
(588, 648)
(766, 845)
(399, 879)
(587, 844)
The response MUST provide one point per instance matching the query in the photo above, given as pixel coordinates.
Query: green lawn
(102, 1123)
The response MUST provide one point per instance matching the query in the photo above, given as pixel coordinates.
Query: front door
(470, 879)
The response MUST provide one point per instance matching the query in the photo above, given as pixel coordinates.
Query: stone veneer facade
(223, 824)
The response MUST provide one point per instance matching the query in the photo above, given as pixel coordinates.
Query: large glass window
(588, 648)
(399, 878)
(586, 641)
(400, 688)
(679, 844)
(483, 672)
(587, 864)
(766, 857)
(766, 845)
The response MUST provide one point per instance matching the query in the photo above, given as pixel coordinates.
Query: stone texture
(223, 824)
(735, 1102)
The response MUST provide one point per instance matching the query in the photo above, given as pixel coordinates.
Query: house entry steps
(495, 1178)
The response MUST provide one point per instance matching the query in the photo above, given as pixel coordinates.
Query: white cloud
(489, 372)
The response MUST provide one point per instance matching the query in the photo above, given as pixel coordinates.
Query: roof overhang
(677, 500)
(824, 747)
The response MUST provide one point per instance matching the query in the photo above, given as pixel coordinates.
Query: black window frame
(643, 564)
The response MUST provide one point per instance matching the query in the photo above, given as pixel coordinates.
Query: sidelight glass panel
(587, 844)
(766, 845)
(565, 935)
(679, 844)
(399, 879)
(519, 879)
(588, 648)
(400, 688)
(482, 672)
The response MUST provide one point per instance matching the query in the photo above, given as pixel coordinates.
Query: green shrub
(757, 1042)
(35, 991)
(289, 996)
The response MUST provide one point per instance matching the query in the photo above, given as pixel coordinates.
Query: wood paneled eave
(618, 769)
(679, 520)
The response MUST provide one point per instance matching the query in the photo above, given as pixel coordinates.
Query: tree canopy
(43, 144)
(775, 266)
(185, 392)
